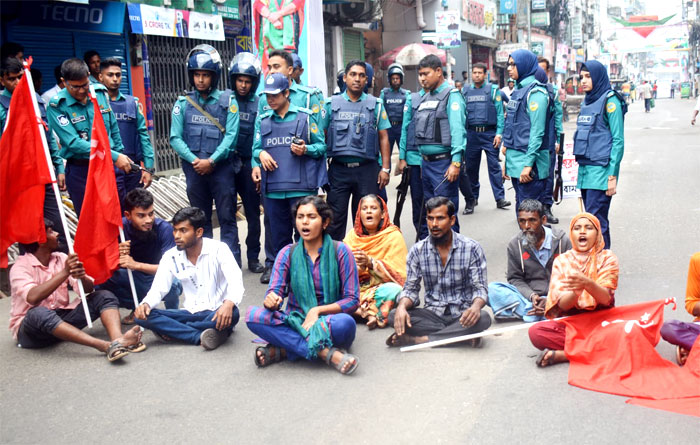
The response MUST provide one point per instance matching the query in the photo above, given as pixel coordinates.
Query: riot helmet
(246, 64)
(205, 58)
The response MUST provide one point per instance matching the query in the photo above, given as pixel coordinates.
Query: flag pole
(57, 193)
(129, 272)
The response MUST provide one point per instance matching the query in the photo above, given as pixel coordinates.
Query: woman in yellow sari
(380, 253)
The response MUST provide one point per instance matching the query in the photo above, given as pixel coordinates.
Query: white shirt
(697, 105)
(508, 90)
(216, 277)
(48, 95)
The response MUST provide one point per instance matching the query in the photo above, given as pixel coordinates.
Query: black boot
(255, 266)
(550, 217)
(265, 277)
(469, 206)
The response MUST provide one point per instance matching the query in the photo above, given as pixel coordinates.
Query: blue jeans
(183, 325)
(118, 284)
(597, 203)
(342, 328)
(478, 142)
(433, 174)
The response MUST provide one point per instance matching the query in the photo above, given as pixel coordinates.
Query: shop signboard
(504, 51)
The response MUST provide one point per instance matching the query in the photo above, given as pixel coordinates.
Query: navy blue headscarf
(525, 62)
(599, 77)
(541, 76)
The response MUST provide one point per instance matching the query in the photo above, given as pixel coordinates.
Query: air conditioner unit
(355, 9)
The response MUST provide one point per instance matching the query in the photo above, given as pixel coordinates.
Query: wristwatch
(386, 170)
(457, 164)
(211, 161)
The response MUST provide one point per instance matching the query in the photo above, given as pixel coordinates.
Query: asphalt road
(182, 394)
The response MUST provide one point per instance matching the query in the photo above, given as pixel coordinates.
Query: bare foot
(405, 340)
(549, 357)
(371, 322)
(131, 337)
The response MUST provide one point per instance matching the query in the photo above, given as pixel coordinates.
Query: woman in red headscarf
(380, 253)
(583, 279)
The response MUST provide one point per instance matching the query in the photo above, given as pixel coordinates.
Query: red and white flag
(24, 173)
(96, 238)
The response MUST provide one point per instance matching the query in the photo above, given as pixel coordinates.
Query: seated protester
(147, 240)
(583, 279)
(380, 253)
(42, 313)
(319, 278)
(530, 256)
(679, 333)
(453, 268)
(212, 284)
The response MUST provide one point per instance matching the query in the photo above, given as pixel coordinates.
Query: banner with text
(153, 20)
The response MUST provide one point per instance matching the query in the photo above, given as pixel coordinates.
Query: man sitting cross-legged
(42, 313)
(531, 254)
(211, 281)
(453, 268)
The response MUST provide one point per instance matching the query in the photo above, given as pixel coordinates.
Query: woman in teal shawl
(319, 279)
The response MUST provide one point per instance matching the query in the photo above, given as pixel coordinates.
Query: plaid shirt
(454, 286)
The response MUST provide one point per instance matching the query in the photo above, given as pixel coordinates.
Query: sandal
(116, 351)
(347, 357)
(542, 359)
(269, 357)
(680, 359)
(138, 347)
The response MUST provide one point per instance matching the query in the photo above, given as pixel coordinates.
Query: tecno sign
(72, 14)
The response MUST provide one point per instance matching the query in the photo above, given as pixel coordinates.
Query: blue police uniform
(247, 113)
(394, 102)
(484, 122)
(194, 136)
(408, 151)
(353, 146)
(71, 121)
(441, 139)
(134, 134)
(557, 129)
(50, 205)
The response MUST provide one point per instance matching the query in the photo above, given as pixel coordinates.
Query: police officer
(547, 198)
(204, 128)
(484, 133)
(288, 158)
(10, 74)
(70, 115)
(440, 132)
(132, 125)
(280, 61)
(298, 68)
(356, 136)
(394, 99)
(244, 76)
(599, 142)
(527, 129)
(409, 157)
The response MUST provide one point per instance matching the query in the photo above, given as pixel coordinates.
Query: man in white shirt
(696, 110)
(211, 281)
(508, 89)
(50, 93)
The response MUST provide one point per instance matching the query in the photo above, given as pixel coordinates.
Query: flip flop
(391, 341)
(679, 356)
(116, 351)
(347, 357)
(542, 358)
(138, 347)
(270, 358)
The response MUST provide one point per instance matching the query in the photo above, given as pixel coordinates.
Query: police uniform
(484, 123)
(71, 121)
(394, 101)
(193, 136)
(441, 137)
(134, 134)
(50, 205)
(295, 176)
(247, 114)
(408, 151)
(527, 137)
(599, 143)
(558, 129)
(353, 146)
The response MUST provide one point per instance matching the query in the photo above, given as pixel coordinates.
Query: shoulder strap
(211, 118)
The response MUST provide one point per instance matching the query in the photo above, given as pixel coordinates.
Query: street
(183, 394)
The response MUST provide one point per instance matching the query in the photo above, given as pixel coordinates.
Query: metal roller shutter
(353, 46)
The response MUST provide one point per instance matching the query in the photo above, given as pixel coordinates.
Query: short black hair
(57, 73)
(437, 201)
(10, 49)
(112, 61)
(283, 54)
(36, 74)
(481, 66)
(355, 62)
(322, 207)
(194, 215)
(531, 205)
(11, 65)
(544, 60)
(430, 61)
(74, 69)
(89, 55)
(138, 197)
(33, 247)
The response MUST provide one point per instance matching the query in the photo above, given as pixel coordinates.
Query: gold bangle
(457, 164)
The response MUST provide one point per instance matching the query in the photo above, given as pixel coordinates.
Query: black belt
(352, 164)
(431, 158)
(481, 128)
(395, 123)
(80, 162)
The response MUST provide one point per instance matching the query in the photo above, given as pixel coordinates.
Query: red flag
(96, 238)
(613, 351)
(24, 172)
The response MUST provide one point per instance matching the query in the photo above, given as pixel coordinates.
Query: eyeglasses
(511, 64)
(84, 86)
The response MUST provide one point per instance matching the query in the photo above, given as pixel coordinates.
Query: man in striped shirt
(453, 268)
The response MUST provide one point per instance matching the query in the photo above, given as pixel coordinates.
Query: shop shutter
(353, 46)
(108, 45)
